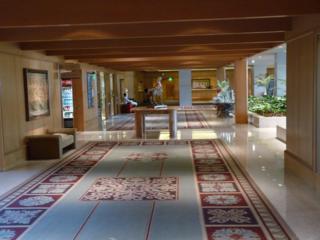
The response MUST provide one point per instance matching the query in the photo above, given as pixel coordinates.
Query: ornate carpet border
(22, 207)
(232, 204)
(227, 153)
(33, 198)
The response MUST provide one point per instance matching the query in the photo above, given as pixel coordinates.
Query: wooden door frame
(78, 105)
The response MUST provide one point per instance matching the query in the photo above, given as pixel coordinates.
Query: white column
(241, 91)
(281, 73)
(185, 87)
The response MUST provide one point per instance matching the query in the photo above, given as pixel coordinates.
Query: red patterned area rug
(23, 206)
(186, 120)
(230, 205)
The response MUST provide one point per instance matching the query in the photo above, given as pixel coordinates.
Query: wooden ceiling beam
(116, 31)
(161, 54)
(160, 41)
(165, 59)
(17, 13)
(161, 66)
(162, 49)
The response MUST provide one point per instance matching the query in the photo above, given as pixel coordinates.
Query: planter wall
(282, 133)
(266, 122)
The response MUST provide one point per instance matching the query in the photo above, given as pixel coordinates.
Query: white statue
(157, 91)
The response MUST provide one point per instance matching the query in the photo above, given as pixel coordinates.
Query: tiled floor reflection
(258, 151)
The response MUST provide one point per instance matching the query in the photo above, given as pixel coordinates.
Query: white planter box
(282, 133)
(266, 122)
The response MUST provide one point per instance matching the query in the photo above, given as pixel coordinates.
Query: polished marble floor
(258, 151)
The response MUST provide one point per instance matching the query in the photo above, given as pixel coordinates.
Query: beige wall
(128, 82)
(14, 126)
(301, 94)
(300, 87)
(207, 94)
(171, 89)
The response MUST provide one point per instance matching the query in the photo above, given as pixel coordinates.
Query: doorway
(72, 96)
(67, 102)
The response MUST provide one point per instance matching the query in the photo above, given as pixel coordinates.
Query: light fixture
(170, 79)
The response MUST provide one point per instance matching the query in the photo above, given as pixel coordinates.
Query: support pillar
(185, 87)
(241, 91)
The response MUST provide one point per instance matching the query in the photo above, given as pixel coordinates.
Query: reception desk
(141, 112)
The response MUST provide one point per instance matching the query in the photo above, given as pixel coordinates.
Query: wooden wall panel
(171, 89)
(78, 120)
(207, 94)
(10, 104)
(14, 126)
(301, 98)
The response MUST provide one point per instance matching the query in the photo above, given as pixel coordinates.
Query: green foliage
(264, 81)
(224, 94)
(223, 85)
(268, 105)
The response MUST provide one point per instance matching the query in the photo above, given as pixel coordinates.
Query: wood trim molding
(294, 165)
(292, 156)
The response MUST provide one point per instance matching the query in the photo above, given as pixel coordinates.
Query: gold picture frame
(36, 88)
(203, 83)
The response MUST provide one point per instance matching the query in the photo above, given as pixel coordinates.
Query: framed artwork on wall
(36, 89)
(201, 83)
(91, 79)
